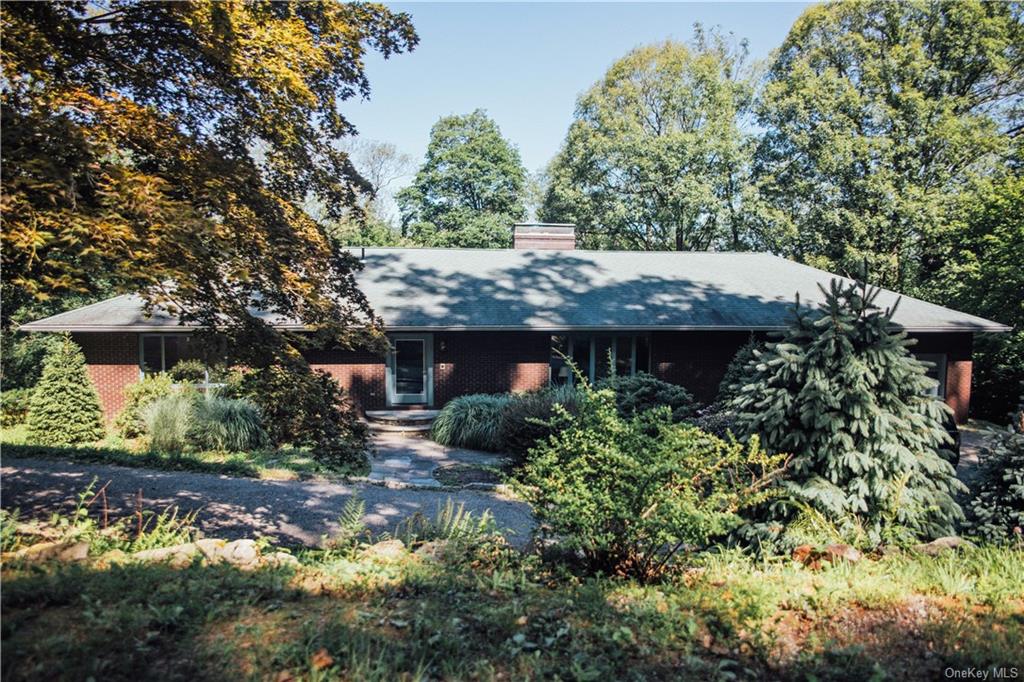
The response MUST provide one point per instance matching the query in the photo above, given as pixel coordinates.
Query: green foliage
(24, 353)
(471, 185)
(642, 392)
(307, 408)
(130, 423)
(471, 421)
(451, 523)
(655, 158)
(228, 424)
(996, 510)
(629, 494)
(169, 422)
(191, 371)
(14, 406)
(65, 408)
(842, 393)
(531, 417)
(981, 273)
(732, 380)
(194, 169)
(879, 116)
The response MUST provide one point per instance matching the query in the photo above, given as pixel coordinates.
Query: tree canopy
(171, 147)
(655, 157)
(470, 188)
(878, 116)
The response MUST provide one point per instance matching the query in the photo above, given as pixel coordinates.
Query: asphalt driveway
(290, 512)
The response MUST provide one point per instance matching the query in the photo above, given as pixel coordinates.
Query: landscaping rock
(388, 550)
(177, 556)
(211, 549)
(280, 560)
(834, 553)
(48, 551)
(432, 551)
(243, 554)
(940, 545)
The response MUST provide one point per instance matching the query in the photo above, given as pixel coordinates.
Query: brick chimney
(560, 236)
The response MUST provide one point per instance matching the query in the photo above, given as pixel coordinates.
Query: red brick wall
(113, 361)
(695, 360)
(360, 373)
(489, 362)
(493, 362)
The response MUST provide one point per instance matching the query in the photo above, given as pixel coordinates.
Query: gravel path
(291, 512)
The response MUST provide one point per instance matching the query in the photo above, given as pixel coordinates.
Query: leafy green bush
(305, 408)
(130, 423)
(716, 419)
(641, 392)
(530, 418)
(471, 421)
(628, 494)
(229, 424)
(65, 408)
(842, 393)
(996, 510)
(190, 371)
(14, 406)
(169, 422)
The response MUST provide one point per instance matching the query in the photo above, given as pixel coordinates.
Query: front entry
(410, 375)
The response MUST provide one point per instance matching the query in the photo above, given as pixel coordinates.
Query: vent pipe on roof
(554, 236)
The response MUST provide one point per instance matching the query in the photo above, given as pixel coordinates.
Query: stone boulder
(940, 545)
(385, 550)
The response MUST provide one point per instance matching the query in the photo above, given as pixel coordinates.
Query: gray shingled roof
(517, 289)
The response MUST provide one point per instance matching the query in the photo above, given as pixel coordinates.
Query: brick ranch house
(486, 321)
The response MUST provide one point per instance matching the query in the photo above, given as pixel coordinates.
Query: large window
(160, 352)
(597, 355)
(937, 371)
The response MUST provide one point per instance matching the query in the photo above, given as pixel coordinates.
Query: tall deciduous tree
(655, 158)
(470, 187)
(129, 137)
(878, 116)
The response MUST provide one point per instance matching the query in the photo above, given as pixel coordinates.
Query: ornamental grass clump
(842, 393)
(627, 495)
(228, 424)
(471, 421)
(131, 423)
(169, 422)
(65, 408)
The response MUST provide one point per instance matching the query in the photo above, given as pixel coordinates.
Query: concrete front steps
(407, 422)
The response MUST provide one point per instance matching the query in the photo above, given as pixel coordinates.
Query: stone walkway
(411, 460)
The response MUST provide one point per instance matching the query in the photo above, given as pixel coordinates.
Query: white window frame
(940, 360)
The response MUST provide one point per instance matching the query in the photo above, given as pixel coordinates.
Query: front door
(411, 369)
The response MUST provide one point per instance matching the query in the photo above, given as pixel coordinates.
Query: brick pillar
(958, 388)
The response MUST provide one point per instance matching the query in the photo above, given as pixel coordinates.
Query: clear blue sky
(526, 63)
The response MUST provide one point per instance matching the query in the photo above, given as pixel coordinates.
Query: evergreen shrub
(531, 417)
(996, 510)
(14, 406)
(641, 392)
(65, 408)
(842, 393)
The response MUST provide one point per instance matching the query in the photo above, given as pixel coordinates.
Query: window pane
(172, 351)
(581, 354)
(624, 356)
(936, 370)
(152, 361)
(559, 368)
(409, 366)
(602, 356)
(643, 354)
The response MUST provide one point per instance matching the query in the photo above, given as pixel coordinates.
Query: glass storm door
(411, 370)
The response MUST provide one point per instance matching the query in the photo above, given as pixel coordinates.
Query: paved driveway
(291, 512)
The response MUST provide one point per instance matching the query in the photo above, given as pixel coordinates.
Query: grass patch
(487, 612)
(283, 464)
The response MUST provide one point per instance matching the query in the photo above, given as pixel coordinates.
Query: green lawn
(281, 464)
(490, 613)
